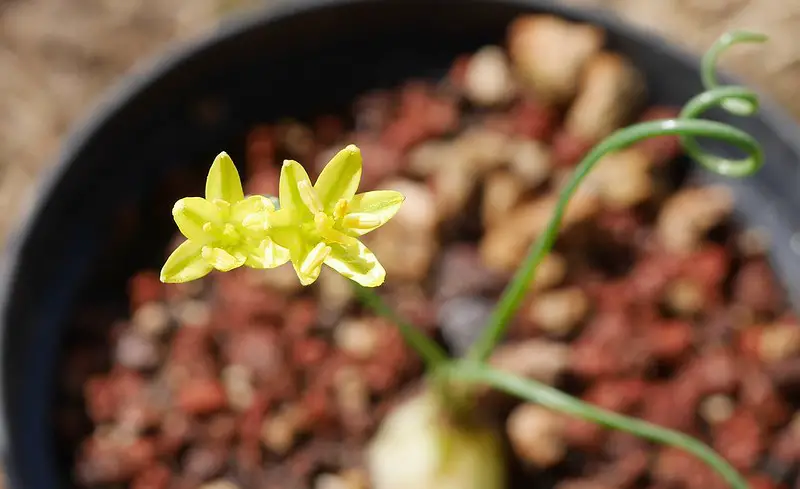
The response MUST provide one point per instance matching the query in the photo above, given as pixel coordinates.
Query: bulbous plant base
(418, 445)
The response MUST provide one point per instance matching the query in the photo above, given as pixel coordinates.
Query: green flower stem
(533, 391)
(687, 127)
(432, 354)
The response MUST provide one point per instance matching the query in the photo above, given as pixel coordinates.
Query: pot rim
(146, 75)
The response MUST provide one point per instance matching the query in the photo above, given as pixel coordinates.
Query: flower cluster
(313, 224)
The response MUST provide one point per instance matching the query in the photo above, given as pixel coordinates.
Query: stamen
(361, 221)
(315, 258)
(340, 209)
(229, 232)
(207, 227)
(309, 197)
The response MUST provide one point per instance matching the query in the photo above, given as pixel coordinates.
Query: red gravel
(238, 380)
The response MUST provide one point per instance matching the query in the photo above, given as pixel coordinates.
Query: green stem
(432, 354)
(687, 127)
(516, 290)
(552, 398)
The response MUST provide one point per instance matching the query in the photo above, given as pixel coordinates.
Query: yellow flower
(328, 217)
(218, 236)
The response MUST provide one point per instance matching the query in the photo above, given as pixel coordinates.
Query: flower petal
(299, 247)
(267, 254)
(307, 279)
(356, 262)
(293, 177)
(223, 180)
(380, 205)
(253, 204)
(223, 260)
(312, 264)
(340, 177)
(185, 264)
(191, 213)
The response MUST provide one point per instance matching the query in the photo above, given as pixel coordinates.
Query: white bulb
(416, 446)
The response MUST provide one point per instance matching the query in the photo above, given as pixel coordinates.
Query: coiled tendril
(734, 99)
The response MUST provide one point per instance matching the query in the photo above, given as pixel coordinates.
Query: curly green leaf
(686, 127)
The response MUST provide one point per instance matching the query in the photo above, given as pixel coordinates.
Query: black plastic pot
(96, 218)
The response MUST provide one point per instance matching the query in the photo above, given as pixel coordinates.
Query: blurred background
(58, 58)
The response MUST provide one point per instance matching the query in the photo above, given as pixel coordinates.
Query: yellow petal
(221, 259)
(185, 264)
(356, 262)
(307, 262)
(293, 184)
(306, 279)
(267, 254)
(223, 182)
(254, 204)
(191, 214)
(299, 247)
(340, 177)
(312, 263)
(252, 215)
(373, 210)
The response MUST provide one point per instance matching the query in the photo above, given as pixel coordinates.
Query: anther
(361, 221)
(340, 209)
